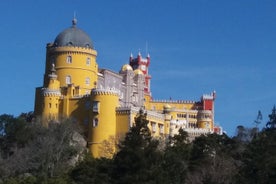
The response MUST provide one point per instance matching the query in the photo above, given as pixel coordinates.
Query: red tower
(142, 64)
(208, 101)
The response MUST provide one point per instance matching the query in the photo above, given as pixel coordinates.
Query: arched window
(95, 122)
(88, 61)
(87, 81)
(69, 59)
(68, 79)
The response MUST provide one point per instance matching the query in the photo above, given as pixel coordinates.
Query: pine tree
(272, 119)
(259, 119)
(138, 159)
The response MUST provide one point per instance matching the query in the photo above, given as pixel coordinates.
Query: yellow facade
(105, 103)
(77, 63)
(103, 120)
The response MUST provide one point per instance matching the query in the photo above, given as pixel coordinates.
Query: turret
(142, 64)
(50, 97)
(102, 126)
(75, 59)
(206, 114)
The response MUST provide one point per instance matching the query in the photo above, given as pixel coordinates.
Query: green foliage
(13, 134)
(272, 119)
(45, 152)
(28, 179)
(91, 170)
(259, 119)
(213, 159)
(249, 157)
(244, 134)
(176, 158)
(260, 159)
(138, 158)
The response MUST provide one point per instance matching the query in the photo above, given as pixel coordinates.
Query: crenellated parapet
(173, 101)
(72, 50)
(104, 92)
(155, 115)
(50, 93)
(205, 115)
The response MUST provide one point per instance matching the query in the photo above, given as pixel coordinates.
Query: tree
(272, 119)
(47, 153)
(212, 160)
(91, 170)
(13, 134)
(259, 119)
(138, 158)
(245, 134)
(259, 159)
(176, 158)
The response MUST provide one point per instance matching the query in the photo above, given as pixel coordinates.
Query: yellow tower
(102, 125)
(167, 119)
(204, 119)
(74, 57)
(51, 95)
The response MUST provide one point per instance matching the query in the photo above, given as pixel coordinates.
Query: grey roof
(73, 36)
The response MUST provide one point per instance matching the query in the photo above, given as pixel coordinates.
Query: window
(96, 106)
(88, 61)
(153, 127)
(87, 81)
(161, 129)
(95, 122)
(69, 59)
(68, 79)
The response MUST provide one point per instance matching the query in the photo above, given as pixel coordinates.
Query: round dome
(138, 72)
(126, 67)
(73, 36)
(167, 106)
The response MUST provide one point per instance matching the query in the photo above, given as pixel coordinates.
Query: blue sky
(196, 46)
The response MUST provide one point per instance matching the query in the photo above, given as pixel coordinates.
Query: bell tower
(142, 64)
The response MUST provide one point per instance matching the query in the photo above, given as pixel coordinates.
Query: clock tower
(142, 64)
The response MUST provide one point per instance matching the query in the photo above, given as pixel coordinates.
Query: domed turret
(167, 108)
(73, 36)
(138, 72)
(126, 67)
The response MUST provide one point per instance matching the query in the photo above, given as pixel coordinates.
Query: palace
(105, 102)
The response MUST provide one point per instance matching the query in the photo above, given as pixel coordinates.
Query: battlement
(174, 101)
(50, 92)
(73, 49)
(105, 92)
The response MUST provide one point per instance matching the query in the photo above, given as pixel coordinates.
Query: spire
(146, 46)
(74, 21)
(53, 69)
(53, 74)
(139, 53)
